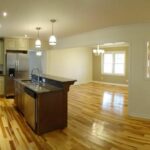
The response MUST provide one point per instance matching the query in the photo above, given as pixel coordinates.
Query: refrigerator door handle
(18, 65)
(16, 68)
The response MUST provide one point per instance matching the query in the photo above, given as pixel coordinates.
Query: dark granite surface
(52, 83)
(60, 79)
(41, 88)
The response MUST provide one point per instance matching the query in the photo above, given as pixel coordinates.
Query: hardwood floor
(97, 120)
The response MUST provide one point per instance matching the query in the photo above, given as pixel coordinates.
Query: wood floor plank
(97, 120)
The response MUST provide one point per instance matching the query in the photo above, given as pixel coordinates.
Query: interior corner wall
(136, 35)
(74, 63)
(98, 76)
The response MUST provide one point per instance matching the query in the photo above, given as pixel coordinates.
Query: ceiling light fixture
(38, 41)
(39, 53)
(52, 38)
(4, 14)
(98, 51)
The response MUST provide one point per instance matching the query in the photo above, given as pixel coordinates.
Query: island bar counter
(47, 109)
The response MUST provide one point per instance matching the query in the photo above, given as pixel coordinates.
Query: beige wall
(137, 36)
(98, 76)
(75, 63)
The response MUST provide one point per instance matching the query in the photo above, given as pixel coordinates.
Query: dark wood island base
(44, 106)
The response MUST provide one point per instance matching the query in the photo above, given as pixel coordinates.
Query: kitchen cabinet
(19, 96)
(1, 85)
(44, 45)
(30, 109)
(16, 44)
(44, 106)
(36, 105)
(22, 44)
(1, 52)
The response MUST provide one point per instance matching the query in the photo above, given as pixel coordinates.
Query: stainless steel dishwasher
(30, 107)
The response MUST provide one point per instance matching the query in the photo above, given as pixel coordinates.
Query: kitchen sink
(34, 86)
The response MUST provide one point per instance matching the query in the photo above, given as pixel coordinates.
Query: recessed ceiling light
(4, 14)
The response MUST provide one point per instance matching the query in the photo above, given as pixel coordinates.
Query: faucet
(38, 74)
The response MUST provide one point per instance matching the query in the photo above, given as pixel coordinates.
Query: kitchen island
(43, 104)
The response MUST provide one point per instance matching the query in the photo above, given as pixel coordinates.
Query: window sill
(118, 75)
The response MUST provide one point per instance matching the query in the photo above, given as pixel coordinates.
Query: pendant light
(38, 41)
(98, 51)
(52, 38)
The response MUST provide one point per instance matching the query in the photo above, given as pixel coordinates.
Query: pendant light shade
(52, 38)
(38, 41)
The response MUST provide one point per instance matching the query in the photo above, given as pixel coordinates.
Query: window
(113, 63)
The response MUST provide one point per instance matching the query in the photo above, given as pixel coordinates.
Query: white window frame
(113, 53)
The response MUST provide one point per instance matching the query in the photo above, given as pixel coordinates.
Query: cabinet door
(10, 44)
(1, 52)
(44, 46)
(22, 44)
(19, 96)
(16, 44)
(1, 85)
(29, 110)
(16, 94)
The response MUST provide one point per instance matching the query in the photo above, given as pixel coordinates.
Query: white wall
(136, 35)
(75, 63)
(35, 61)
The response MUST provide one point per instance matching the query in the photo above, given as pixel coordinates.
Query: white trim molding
(124, 85)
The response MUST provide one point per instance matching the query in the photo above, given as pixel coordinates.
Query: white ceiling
(73, 16)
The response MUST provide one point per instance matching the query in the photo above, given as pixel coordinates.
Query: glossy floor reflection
(97, 120)
(113, 101)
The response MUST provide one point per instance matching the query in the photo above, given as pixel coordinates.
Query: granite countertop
(56, 78)
(42, 88)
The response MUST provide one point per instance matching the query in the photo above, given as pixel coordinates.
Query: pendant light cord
(52, 21)
(38, 30)
(52, 28)
(38, 34)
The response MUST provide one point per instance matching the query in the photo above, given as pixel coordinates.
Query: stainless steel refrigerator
(17, 66)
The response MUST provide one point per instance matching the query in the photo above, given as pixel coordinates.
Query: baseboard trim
(139, 116)
(124, 85)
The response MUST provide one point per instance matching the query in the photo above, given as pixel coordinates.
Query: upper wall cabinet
(16, 44)
(22, 44)
(1, 51)
(44, 45)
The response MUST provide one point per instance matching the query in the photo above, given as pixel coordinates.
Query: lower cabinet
(1, 52)
(19, 96)
(30, 109)
(1, 85)
(44, 110)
